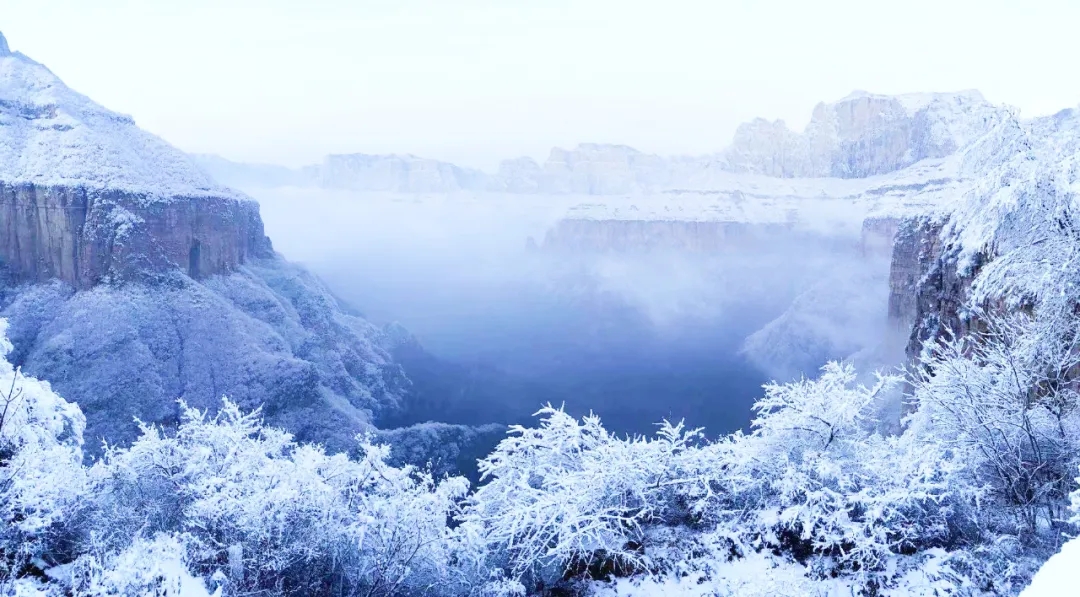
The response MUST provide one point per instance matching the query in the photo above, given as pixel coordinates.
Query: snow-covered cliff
(86, 195)
(1005, 242)
(131, 279)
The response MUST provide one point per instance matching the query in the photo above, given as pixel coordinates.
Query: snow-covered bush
(569, 491)
(817, 483)
(1003, 401)
(146, 567)
(274, 515)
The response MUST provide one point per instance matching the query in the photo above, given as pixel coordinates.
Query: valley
(836, 361)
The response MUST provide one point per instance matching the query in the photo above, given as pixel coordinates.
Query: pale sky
(474, 81)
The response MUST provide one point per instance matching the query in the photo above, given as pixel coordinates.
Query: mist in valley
(502, 316)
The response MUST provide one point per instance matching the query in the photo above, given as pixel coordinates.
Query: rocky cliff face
(86, 236)
(926, 290)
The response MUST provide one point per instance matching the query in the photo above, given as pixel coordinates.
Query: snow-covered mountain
(131, 279)
(858, 136)
(51, 135)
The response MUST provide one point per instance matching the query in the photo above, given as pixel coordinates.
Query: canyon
(779, 249)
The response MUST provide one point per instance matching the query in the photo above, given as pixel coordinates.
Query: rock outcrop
(86, 236)
(926, 292)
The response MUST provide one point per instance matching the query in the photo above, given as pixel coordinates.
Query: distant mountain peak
(4, 49)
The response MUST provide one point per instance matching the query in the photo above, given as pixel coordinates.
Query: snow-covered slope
(51, 135)
(1059, 575)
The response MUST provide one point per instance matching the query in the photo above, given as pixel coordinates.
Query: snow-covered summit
(51, 135)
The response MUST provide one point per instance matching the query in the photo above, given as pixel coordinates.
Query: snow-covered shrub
(1003, 401)
(42, 480)
(815, 482)
(154, 566)
(273, 515)
(569, 491)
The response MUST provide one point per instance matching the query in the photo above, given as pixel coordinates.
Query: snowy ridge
(931, 185)
(51, 135)
(859, 136)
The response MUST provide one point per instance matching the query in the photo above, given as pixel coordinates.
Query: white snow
(1060, 575)
(52, 135)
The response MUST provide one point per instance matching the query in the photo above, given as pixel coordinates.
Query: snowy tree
(568, 491)
(154, 566)
(1004, 400)
(815, 480)
(41, 475)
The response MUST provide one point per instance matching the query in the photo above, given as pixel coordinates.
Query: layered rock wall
(84, 237)
(927, 290)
